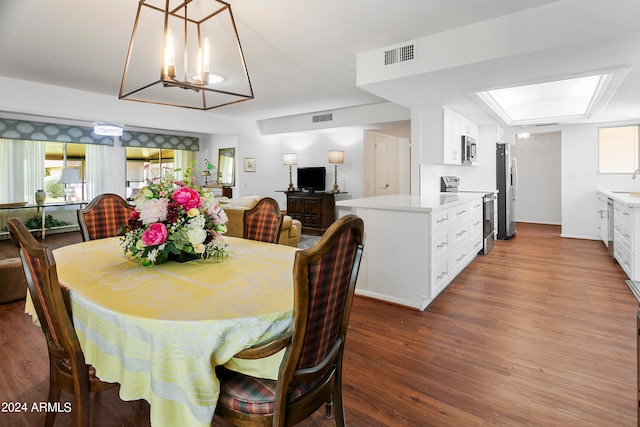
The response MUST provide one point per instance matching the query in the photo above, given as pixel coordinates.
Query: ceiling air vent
(400, 54)
(322, 118)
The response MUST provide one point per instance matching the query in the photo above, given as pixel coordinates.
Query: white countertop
(624, 196)
(407, 202)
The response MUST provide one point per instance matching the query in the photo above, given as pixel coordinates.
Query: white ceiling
(301, 54)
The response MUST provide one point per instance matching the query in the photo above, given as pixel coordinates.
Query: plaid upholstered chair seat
(252, 395)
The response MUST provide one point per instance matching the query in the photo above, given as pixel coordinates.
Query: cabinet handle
(463, 256)
(442, 275)
(438, 221)
(461, 233)
(441, 245)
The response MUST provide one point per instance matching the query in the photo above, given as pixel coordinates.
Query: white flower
(199, 248)
(196, 235)
(153, 210)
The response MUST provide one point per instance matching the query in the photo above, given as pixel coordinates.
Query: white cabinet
(623, 227)
(411, 255)
(439, 131)
(603, 219)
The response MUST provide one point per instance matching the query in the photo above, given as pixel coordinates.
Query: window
(54, 163)
(144, 164)
(618, 149)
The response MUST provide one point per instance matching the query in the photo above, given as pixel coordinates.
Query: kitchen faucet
(636, 172)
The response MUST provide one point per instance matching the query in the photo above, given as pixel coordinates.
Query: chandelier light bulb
(169, 58)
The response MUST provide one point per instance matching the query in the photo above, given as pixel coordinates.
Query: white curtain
(22, 164)
(182, 160)
(95, 170)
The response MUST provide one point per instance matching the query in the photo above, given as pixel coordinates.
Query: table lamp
(336, 157)
(206, 175)
(69, 176)
(290, 159)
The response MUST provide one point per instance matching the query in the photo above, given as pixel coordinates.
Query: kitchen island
(415, 245)
(619, 223)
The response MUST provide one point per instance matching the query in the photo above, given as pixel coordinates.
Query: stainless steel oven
(488, 200)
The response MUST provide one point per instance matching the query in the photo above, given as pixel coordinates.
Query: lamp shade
(69, 176)
(290, 159)
(336, 157)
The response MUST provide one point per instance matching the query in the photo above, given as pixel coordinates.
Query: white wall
(313, 148)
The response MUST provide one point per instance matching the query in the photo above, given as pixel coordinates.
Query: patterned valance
(156, 140)
(54, 132)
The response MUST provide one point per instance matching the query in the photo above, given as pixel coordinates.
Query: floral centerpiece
(173, 218)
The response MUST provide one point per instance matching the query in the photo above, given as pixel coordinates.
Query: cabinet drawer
(475, 222)
(458, 231)
(622, 212)
(439, 277)
(439, 220)
(476, 241)
(311, 220)
(458, 257)
(476, 207)
(458, 212)
(622, 234)
(623, 255)
(439, 243)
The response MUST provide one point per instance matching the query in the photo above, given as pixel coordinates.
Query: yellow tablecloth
(159, 330)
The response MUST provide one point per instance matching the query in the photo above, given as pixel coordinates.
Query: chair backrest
(324, 284)
(53, 313)
(105, 216)
(263, 222)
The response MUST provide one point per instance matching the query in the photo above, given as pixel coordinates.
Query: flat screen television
(312, 179)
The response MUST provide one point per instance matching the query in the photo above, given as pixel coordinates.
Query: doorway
(387, 164)
(539, 198)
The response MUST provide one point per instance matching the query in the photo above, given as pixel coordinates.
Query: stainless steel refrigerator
(507, 184)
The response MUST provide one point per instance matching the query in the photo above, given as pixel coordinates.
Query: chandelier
(185, 53)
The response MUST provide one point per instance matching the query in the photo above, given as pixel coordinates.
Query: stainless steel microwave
(469, 150)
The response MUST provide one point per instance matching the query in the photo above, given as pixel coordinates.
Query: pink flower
(218, 214)
(155, 235)
(187, 197)
(153, 210)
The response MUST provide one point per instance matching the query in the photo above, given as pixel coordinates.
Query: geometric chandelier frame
(185, 53)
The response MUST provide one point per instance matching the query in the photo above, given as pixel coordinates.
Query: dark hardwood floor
(541, 332)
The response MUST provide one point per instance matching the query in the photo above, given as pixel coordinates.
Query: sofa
(235, 207)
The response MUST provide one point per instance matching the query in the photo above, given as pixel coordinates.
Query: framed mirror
(226, 166)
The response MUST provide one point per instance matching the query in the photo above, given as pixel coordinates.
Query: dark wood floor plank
(540, 332)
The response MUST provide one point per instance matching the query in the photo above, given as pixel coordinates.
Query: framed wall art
(249, 164)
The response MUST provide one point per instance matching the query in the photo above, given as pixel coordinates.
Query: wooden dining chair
(105, 216)
(68, 370)
(263, 222)
(310, 374)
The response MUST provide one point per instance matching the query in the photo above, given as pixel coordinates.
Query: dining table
(160, 330)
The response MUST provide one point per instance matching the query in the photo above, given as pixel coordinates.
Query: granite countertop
(407, 202)
(630, 198)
